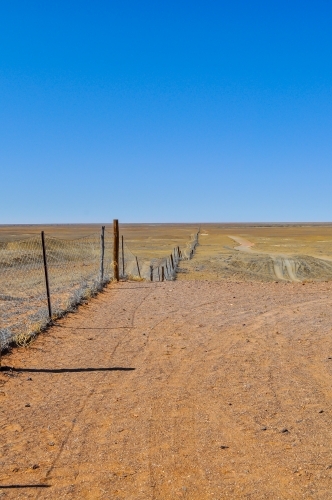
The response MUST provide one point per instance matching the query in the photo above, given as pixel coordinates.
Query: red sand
(216, 390)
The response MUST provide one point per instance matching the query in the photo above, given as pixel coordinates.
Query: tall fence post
(151, 273)
(46, 277)
(139, 273)
(123, 273)
(102, 253)
(162, 273)
(116, 249)
(172, 261)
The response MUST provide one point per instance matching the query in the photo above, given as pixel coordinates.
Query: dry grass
(307, 248)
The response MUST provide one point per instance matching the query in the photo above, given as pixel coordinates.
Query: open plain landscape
(287, 252)
(215, 385)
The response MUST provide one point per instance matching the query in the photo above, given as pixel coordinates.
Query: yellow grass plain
(290, 252)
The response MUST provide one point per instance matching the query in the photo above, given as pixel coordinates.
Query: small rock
(35, 466)
(264, 428)
(284, 430)
(224, 447)
(329, 467)
(29, 378)
(27, 405)
(321, 411)
(51, 443)
(16, 469)
(244, 324)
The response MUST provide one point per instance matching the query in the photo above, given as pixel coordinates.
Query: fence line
(43, 277)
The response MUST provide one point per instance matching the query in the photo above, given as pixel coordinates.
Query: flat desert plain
(216, 385)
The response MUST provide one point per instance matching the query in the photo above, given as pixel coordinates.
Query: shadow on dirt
(65, 370)
(7, 486)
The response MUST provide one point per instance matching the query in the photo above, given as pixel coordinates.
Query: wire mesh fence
(76, 270)
(156, 269)
(74, 273)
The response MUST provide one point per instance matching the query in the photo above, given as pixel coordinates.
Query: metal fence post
(116, 249)
(139, 274)
(46, 277)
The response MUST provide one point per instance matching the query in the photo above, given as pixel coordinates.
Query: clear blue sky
(161, 111)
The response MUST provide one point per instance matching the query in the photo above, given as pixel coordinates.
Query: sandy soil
(195, 390)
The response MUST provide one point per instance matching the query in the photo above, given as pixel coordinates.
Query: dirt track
(190, 390)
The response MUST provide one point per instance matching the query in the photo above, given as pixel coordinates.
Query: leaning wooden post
(102, 252)
(151, 273)
(116, 249)
(162, 273)
(139, 273)
(46, 277)
(172, 261)
(123, 273)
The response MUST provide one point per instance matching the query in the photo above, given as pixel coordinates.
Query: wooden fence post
(158, 273)
(162, 273)
(102, 252)
(139, 273)
(172, 261)
(123, 272)
(116, 249)
(46, 277)
(151, 273)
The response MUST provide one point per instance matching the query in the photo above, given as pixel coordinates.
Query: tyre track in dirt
(123, 343)
(284, 267)
(215, 363)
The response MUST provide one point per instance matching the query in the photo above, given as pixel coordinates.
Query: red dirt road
(190, 390)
